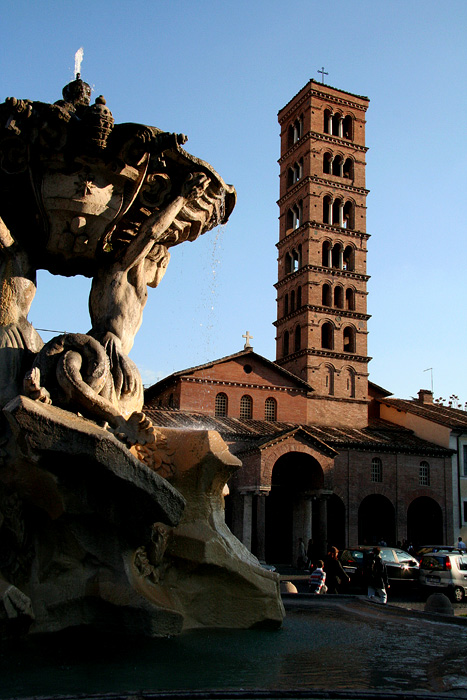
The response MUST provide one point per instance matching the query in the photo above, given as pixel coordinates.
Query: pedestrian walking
(377, 577)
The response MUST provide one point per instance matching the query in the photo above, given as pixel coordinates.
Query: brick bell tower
(321, 288)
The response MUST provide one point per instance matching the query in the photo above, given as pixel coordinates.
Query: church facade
(322, 458)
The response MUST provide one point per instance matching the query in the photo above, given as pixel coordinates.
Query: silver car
(445, 572)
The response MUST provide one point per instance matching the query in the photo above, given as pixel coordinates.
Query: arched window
(327, 210)
(327, 126)
(330, 380)
(347, 128)
(327, 336)
(296, 255)
(327, 163)
(286, 305)
(350, 299)
(326, 260)
(376, 470)
(298, 337)
(292, 300)
(348, 168)
(424, 474)
(246, 407)
(171, 401)
(337, 166)
(337, 258)
(336, 207)
(270, 409)
(349, 258)
(326, 295)
(298, 170)
(349, 339)
(288, 263)
(338, 297)
(336, 125)
(290, 177)
(350, 383)
(286, 343)
(299, 297)
(348, 216)
(221, 404)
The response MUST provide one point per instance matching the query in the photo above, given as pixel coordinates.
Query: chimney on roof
(425, 396)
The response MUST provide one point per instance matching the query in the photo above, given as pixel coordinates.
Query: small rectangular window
(464, 504)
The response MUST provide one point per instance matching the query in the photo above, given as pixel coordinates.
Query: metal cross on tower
(323, 73)
(247, 337)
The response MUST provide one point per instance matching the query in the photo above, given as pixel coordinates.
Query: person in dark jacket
(377, 577)
(335, 574)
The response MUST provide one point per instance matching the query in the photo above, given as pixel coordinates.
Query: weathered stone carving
(90, 533)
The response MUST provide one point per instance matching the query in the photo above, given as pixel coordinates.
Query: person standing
(461, 544)
(335, 574)
(377, 577)
(317, 580)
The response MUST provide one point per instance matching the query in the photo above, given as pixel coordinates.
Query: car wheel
(458, 594)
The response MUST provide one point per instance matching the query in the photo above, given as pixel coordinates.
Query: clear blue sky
(220, 71)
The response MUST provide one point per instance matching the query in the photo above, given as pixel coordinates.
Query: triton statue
(83, 195)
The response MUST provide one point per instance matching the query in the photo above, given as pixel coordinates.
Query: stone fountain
(105, 519)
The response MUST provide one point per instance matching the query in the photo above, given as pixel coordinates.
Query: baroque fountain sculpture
(91, 531)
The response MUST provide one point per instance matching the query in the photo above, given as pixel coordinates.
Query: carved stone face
(80, 206)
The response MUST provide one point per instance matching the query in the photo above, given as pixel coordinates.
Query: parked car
(445, 572)
(401, 566)
(429, 548)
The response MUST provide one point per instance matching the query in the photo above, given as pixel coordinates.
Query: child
(317, 580)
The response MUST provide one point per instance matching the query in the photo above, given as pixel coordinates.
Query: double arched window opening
(295, 301)
(336, 124)
(295, 173)
(295, 216)
(293, 260)
(295, 131)
(296, 340)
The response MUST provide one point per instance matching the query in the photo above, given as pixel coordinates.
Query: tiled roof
(452, 418)
(380, 436)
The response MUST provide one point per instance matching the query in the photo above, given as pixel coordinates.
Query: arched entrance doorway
(425, 522)
(376, 520)
(290, 511)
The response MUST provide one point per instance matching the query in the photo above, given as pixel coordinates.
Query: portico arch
(292, 510)
(376, 520)
(425, 521)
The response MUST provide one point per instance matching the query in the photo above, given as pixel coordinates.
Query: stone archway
(425, 522)
(290, 510)
(376, 520)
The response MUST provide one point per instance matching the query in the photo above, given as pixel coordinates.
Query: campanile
(322, 282)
